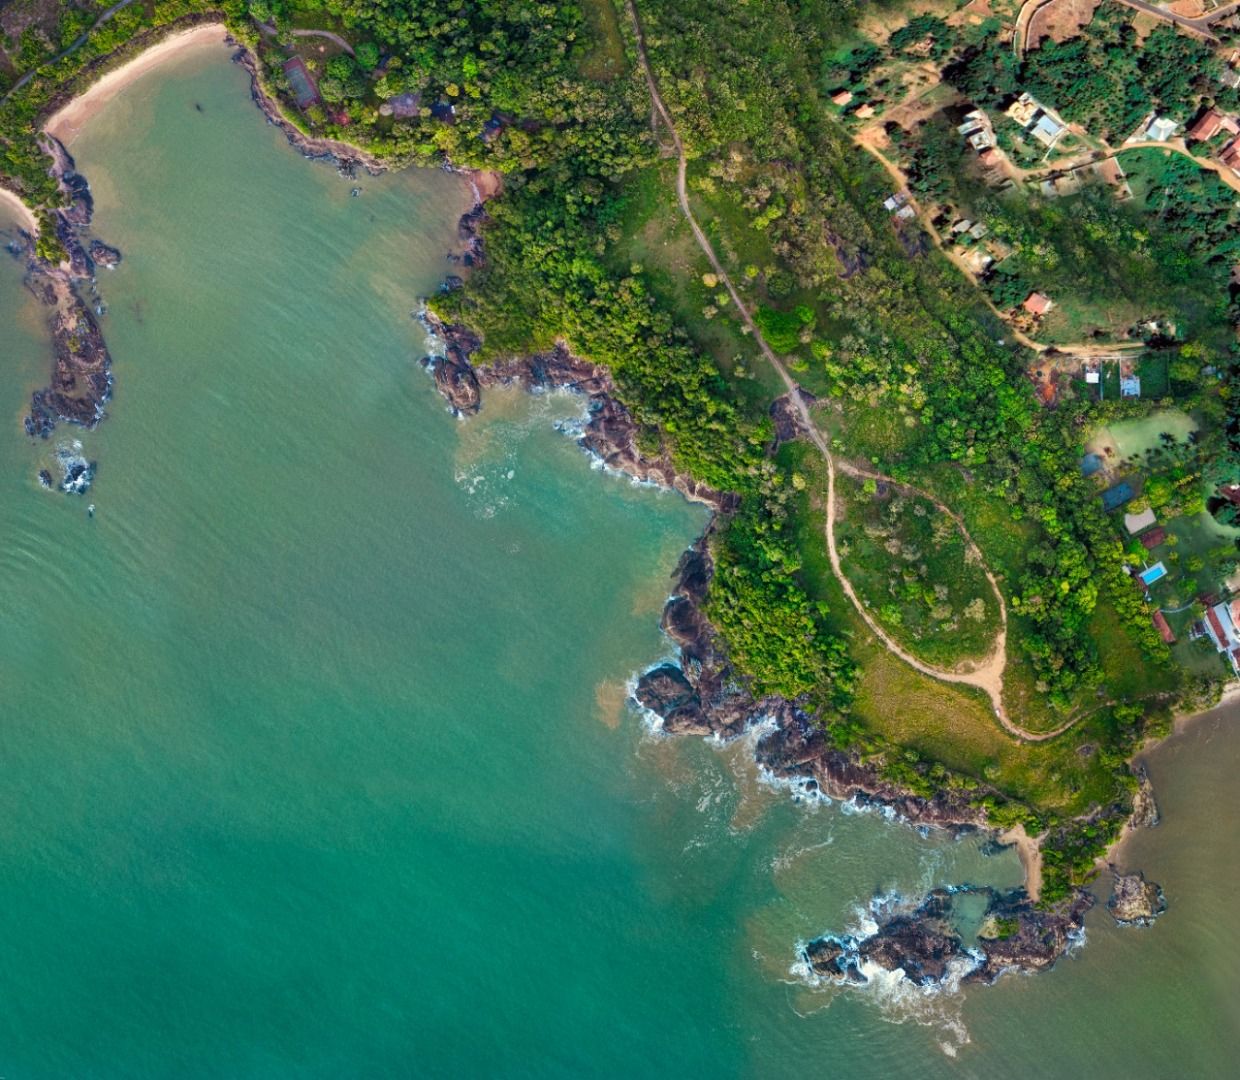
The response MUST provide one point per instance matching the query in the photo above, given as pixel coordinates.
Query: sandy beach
(20, 210)
(67, 122)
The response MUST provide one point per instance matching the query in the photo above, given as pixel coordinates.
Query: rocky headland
(701, 694)
(926, 944)
(81, 379)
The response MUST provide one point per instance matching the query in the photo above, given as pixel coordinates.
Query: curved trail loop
(988, 674)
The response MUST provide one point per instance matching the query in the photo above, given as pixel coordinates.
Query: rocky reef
(925, 944)
(1135, 901)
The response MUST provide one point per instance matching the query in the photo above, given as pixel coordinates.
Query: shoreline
(25, 216)
(67, 122)
(709, 701)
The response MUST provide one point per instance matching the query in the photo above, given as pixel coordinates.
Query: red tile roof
(1216, 626)
(1153, 538)
(1161, 625)
(1037, 304)
(1210, 124)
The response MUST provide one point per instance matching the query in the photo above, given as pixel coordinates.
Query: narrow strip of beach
(23, 214)
(67, 122)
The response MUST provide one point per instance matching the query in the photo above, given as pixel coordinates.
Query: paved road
(1200, 25)
(75, 45)
(987, 676)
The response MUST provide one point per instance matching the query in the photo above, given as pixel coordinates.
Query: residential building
(1231, 155)
(1037, 304)
(841, 98)
(1209, 124)
(1160, 129)
(1129, 386)
(1046, 129)
(1221, 630)
(1115, 497)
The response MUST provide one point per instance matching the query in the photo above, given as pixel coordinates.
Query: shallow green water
(314, 747)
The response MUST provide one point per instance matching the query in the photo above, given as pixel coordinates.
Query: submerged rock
(1135, 901)
(1144, 809)
(102, 254)
(78, 472)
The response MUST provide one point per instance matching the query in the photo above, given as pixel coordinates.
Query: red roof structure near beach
(1163, 627)
(1215, 625)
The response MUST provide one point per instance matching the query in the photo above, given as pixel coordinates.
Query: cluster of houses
(841, 99)
(899, 207)
(1221, 623)
(1129, 381)
(1209, 125)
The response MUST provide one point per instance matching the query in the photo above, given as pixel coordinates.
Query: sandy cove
(67, 122)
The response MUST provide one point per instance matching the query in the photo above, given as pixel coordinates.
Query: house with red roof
(1037, 304)
(1222, 631)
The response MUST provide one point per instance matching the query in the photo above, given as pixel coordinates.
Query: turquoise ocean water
(315, 754)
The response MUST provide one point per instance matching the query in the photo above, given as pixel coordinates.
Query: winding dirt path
(271, 31)
(986, 675)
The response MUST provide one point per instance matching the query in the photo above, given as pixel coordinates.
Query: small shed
(1163, 627)
(1150, 540)
(1134, 523)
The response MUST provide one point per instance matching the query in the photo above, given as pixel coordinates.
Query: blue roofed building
(1115, 497)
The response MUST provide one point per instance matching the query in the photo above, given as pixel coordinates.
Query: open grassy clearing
(606, 57)
(947, 723)
(910, 565)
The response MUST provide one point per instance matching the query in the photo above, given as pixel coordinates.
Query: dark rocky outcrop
(78, 473)
(81, 379)
(925, 944)
(787, 418)
(102, 254)
(1144, 808)
(610, 432)
(1135, 901)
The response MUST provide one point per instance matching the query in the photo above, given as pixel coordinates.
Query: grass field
(947, 723)
(910, 565)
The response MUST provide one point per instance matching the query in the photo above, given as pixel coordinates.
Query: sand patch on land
(67, 123)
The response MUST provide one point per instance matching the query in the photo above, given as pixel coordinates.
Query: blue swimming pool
(1153, 573)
